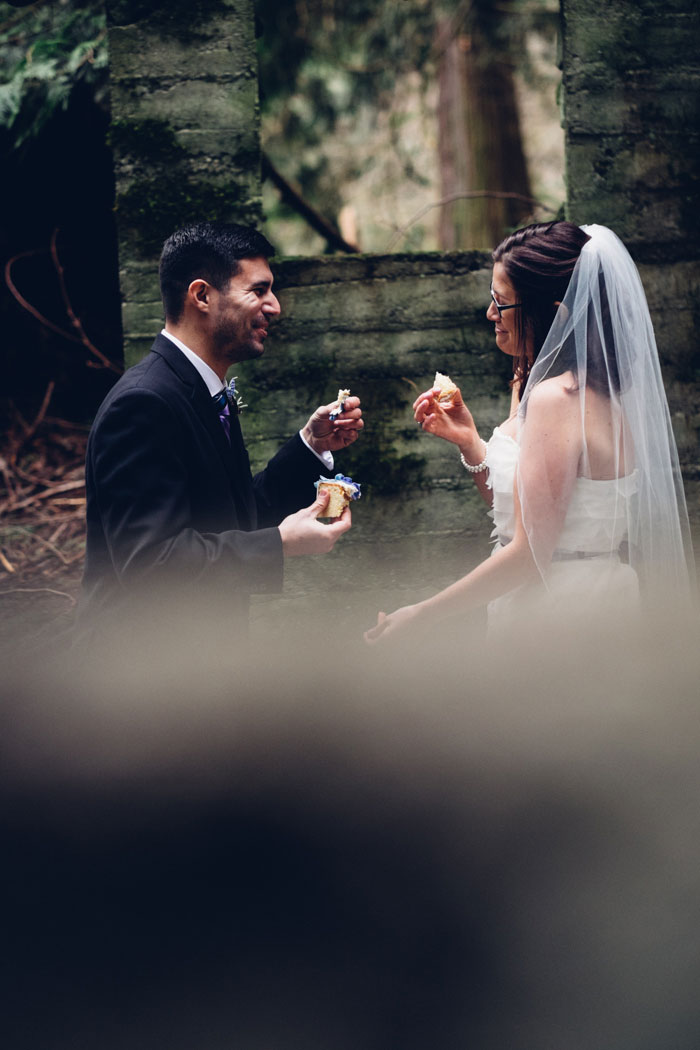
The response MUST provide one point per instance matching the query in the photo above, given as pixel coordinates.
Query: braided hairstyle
(539, 261)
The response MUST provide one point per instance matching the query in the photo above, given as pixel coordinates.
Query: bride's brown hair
(539, 261)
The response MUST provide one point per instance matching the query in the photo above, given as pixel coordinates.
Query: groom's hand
(302, 533)
(326, 435)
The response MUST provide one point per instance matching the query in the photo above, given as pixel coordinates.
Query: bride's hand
(450, 420)
(391, 626)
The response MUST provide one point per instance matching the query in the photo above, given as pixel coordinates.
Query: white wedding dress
(587, 576)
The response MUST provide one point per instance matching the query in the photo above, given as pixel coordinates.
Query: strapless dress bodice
(596, 518)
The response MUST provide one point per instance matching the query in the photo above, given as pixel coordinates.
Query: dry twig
(465, 195)
(74, 319)
(7, 565)
(43, 523)
(81, 335)
(38, 590)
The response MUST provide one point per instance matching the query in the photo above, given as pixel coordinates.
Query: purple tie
(221, 401)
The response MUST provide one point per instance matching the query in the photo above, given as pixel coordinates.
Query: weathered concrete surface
(631, 105)
(382, 325)
(631, 101)
(185, 132)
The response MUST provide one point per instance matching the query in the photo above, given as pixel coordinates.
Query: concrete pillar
(631, 104)
(184, 134)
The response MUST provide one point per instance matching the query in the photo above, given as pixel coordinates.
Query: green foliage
(348, 96)
(325, 61)
(49, 51)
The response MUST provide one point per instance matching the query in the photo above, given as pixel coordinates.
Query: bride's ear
(558, 306)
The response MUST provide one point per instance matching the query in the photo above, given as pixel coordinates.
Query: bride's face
(505, 324)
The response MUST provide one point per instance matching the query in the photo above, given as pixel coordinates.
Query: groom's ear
(198, 295)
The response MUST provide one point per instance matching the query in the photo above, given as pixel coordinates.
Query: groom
(179, 532)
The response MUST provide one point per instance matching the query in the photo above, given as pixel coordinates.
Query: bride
(583, 477)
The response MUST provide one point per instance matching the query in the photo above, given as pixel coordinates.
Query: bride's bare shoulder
(554, 395)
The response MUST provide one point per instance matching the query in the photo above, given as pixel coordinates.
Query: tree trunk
(479, 141)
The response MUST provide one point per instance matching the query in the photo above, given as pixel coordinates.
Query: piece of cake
(446, 386)
(340, 403)
(341, 491)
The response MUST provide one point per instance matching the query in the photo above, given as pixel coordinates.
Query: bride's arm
(507, 568)
(550, 451)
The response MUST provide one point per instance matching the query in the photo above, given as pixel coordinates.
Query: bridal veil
(602, 341)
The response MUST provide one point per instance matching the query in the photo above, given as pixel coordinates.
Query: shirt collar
(214, 384)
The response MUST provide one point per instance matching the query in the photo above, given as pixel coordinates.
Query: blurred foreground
(318, 845)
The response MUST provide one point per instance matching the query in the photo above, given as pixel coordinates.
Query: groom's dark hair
(207, 250)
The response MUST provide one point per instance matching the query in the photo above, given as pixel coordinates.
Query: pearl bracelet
(479, 466)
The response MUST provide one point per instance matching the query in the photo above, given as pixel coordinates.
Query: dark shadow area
(433, 847)
(60, 183)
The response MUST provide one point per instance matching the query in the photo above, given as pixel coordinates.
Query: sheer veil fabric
(595, 407)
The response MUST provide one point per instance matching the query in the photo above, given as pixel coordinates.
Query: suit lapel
(241, 460)
(233, 456)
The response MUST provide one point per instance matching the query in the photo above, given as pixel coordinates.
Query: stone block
(624, 105)
(139, 281)
(635, 218)
(142, 319)
(138, 53)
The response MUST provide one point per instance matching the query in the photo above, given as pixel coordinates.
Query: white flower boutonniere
(233, 395)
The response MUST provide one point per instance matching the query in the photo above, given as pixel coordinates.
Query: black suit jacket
(173, 512)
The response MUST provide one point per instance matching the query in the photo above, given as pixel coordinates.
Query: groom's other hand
(303, 533)
(326, 435)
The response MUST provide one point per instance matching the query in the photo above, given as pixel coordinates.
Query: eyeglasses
(502, 308)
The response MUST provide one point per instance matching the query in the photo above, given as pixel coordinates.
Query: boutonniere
(233, 396)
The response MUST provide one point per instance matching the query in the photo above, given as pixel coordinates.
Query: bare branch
(461, 196)
(27, 305)
(48, 394)
(7, 565)
(53, 490)
(74, 319)
(292, 196)
(38, 590)
(44, 543)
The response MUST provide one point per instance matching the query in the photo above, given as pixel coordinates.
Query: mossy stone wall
(631, 105)
(184, 134)
(382, 326)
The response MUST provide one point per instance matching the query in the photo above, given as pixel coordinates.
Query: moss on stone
(375, 460)
(149, 140)
(174, 18)
(151, 209)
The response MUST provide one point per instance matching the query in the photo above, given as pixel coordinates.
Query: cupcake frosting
(351, 488)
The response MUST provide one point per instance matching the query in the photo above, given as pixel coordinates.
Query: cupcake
(339, 405)
(446, 386)
(341, 491)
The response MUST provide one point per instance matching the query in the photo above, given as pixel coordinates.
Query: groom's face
(242, 312)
